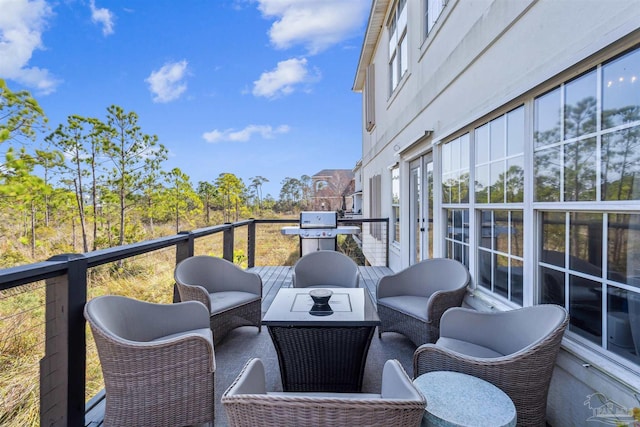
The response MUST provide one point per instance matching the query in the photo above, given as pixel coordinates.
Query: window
(370, 97)
(395, 203)
(455, 170)
(577, 270)
(582, 199)
(587, 149)
(375, 206)
(457, 237)
(500, 256)
(500, 159)
(398, 49)
(320, 185)
(432, 10)
(499, 180)
(455, 192)
(587, 145)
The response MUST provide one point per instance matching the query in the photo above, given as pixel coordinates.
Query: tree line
(104, 180)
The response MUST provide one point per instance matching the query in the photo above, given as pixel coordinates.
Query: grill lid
(318, 219)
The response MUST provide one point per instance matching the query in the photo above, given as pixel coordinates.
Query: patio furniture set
(469, 367)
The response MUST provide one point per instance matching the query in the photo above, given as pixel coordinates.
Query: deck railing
(62, 369)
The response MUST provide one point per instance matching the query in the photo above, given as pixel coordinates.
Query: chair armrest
(158, 355)
(251, 380)
(248, 282)
(396, 384)
(441, 301)
(194, 293)
(432, 357)
(390, 286)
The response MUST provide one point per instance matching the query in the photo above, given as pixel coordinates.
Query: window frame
(395, 205)
(370, 97)
(398, 61)
(429, 6)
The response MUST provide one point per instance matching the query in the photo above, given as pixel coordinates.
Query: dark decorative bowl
(320, 296)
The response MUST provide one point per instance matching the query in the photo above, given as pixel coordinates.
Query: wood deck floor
(273, 278)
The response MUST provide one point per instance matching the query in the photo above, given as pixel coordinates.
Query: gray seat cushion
(222, 301)
(467, 348)
(408, 304)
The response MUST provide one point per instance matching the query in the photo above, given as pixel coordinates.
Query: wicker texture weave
(166, 383)
(249, 314)
(524, 376)
(282, 410)
(443, 281)
(328, 359)
(198, 277)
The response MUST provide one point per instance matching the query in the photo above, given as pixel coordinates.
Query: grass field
(147, 277)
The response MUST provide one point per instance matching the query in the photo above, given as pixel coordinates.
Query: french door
(421, 209)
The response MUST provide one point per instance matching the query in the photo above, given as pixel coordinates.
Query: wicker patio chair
(514, 350)
(248, 404)
(233, 295)
(157, 361)
(412, 301)
(326, 269)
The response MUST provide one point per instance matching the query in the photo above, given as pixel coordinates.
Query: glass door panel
(428, 206)
(421, 209)
(415, 212)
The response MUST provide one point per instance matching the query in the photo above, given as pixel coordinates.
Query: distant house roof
(332, 172)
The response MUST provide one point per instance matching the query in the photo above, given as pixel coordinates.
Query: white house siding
(482, 59)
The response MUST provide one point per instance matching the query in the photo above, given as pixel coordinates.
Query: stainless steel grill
(318, 230)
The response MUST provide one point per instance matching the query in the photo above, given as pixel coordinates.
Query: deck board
(273, 278)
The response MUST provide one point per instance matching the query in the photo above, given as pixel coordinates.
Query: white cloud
(102, 16)
(21, 25)
(167, 83)
(282, 80)
(315, 24)
(243, 135)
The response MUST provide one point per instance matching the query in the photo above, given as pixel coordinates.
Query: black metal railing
(62, 369)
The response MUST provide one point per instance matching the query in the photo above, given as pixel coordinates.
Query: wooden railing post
(184, 250)
(227, 244)
(251, 244)
(62, 369)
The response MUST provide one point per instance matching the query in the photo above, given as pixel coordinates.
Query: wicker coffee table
(322, 352)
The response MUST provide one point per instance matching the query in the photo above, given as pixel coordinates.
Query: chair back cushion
(426, 277)
(121, 317)
(129, 319)
(505, 332)
(325, 268)
(214, 274)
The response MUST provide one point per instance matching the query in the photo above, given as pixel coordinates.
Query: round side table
(455, 399)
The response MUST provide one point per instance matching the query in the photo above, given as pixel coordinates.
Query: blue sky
(250, 87)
